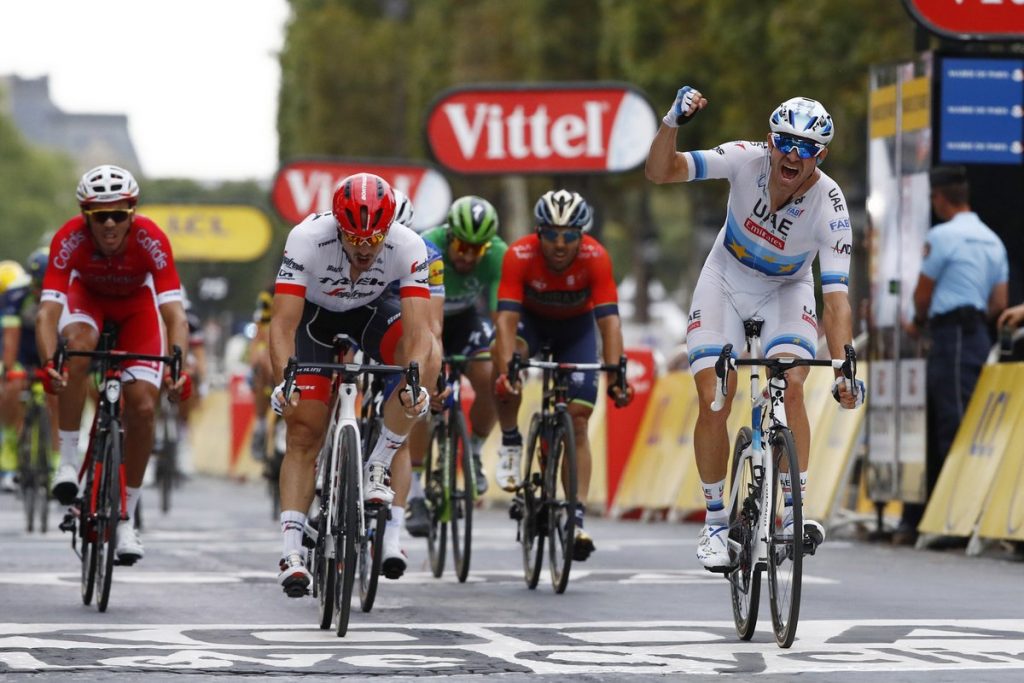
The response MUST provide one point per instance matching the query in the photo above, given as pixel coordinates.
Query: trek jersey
(145, 257)
(316, 267)
(463, 291)
(778, 246)
(586, 285)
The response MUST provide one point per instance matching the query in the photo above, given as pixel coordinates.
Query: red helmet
(364, 205)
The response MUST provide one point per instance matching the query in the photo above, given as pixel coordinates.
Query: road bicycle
(101, 506)
(34, 448)
(165, 448)
(450, 500)
(340, 531)
(758, 541)
(545, 500)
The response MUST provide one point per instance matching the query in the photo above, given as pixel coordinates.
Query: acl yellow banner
(201, 232)
(1003, 516)
(984, 437)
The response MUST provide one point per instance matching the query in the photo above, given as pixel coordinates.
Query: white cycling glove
(860, 391)
(410, 406)
(278, 400)
(678, 115)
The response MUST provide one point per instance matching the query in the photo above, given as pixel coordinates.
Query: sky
(198, 79)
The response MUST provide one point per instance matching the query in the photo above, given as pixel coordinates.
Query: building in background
(89, 139)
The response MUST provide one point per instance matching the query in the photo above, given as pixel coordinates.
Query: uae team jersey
(586, 285)
(316, 267)
(146, 257)
(776, 246)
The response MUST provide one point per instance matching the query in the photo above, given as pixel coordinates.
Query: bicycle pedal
(515, 511)
(69, 523)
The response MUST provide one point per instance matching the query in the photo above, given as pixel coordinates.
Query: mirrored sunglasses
(552, 234)
(104, 215)
(806, 149)
(371, 241)
(469, 249)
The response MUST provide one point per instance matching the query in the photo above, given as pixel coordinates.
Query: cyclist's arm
(287, 314)
(610, 327)
(46, 329)
(505, 325)
(664, 163)
(837, 319)
(437, 316)
(11, 341)
(176, 321)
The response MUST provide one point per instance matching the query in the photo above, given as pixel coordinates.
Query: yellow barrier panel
(1003, 517)
(977, 452)
(833, 441)
(211, 434)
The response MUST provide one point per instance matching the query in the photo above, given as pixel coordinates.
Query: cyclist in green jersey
(472, 253)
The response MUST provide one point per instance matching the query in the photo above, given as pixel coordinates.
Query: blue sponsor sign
(981, 119)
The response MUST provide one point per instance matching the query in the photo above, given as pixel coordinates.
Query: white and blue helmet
(403, 208)
(803, 118)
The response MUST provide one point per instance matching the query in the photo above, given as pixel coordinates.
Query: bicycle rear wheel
(108, 516)
(531, 527)
(165, 470)
(560, 499)
(745, 579)
(785, 551)
(27, 472)
(436, 492)
(371, 554)
(41, 465)
(347, 533)
(461, 495)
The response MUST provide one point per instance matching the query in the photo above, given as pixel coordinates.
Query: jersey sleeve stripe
(835, 278)
(700, 167)
(602, 310)
(289, 288)
(415, 292)
(510, 305)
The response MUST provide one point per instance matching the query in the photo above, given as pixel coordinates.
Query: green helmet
(473, 220)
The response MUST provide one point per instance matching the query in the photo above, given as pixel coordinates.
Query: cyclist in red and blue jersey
(556, 287)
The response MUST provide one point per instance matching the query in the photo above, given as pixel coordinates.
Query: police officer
(962, 285)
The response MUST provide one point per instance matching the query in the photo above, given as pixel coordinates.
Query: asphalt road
(204, 602)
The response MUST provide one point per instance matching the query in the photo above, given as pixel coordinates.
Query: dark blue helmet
(36, 264)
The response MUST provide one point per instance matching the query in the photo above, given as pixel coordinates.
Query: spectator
(962, 285)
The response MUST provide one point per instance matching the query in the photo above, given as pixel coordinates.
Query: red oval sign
(970, 19)
(541, 128)
(307, 186)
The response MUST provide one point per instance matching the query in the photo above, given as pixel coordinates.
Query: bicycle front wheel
(529, 502)
(347, 533)
(785, 545)
(108, 516)
(436, 496)
(325, 576)
(560, 499)
(461, 495)
(87, 534)
(745, 579)
(371, 555)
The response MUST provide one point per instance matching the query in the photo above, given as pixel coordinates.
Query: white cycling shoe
(129, 548)
(394, 561)
(713, 548)
(814, 533)
(507, 472)
(294, 578)
(377, 484)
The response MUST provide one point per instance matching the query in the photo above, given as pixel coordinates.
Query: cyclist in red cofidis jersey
(556, 288)
(111, 265)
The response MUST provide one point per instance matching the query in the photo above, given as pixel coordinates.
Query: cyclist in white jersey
(782, 212)
(335, 269)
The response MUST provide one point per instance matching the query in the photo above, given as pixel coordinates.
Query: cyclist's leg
(417, 520)
(12, 414)
(394, 558)
(510, 452)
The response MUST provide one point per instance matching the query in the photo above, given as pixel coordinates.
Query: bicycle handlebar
(517, 364)
(412, 372)
(62, 354)
(726, 362)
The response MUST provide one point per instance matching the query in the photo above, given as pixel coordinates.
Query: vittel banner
(541, 128)
(307, 186)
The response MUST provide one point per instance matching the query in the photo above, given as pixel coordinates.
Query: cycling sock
(415, 486)
(511, 437)
(293, 526)
(580, 509)
(476, 444)
(397, 516)
(387, 444)
(68, 447)
(134, 494)
(714, 493)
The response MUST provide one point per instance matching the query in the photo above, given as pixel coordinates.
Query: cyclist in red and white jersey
(110, 264)
(556, 288)
(783, 211)
(335, 269)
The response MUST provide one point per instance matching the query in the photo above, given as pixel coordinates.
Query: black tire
(436, 495)
(325, 574)
(108, 517)
(560, 493)
(744, 519)
(42, 466)
(167, 459)
(785, 555)
(531, 524)
(27, 471)
(348, 532)
(371, 555)
(86, 531)
(461, 496)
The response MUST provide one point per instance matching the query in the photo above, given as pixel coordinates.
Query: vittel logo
(67, 247)
(152, 246)
(519, 135)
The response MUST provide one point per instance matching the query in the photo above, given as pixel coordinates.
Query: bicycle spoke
(745, 579)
